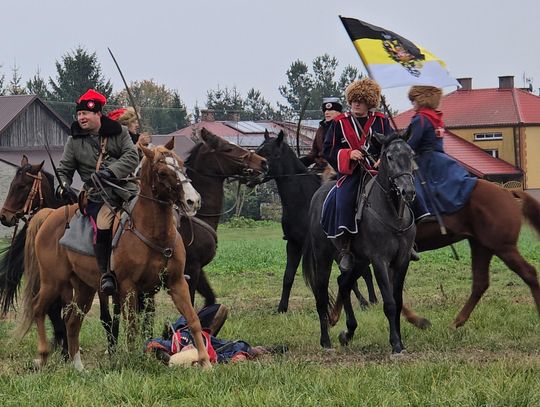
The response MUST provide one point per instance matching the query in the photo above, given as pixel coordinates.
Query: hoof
(206, 365)
(343, 339)
(399, 355)
(423, 323)
(38, 363)
(281, 310)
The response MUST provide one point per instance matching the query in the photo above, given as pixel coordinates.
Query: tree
(162, 109)
(2, 90)
(38, 86)
(256, 107)
(14, 86)
(77, 72)
(224, 102)
(320, 83)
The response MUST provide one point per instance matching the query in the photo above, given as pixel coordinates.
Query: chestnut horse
(491, 222)
(150, 254)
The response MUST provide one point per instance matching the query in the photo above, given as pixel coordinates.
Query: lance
(302, 111)
(130, 95)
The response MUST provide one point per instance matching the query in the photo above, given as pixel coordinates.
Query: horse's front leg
(128, 302)
(179, 291)
(294, 254)
(382, 270)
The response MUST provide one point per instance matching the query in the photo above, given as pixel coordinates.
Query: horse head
(24, 193)
(397, 159)
(163, 174)
(280, 156)
(221, 158)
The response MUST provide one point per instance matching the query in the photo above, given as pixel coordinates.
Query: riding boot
(346, 258)
(103, 250)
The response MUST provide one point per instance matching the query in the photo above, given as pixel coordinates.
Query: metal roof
(245, 127)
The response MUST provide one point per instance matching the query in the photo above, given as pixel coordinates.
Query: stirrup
(346, 261)
(110, 277)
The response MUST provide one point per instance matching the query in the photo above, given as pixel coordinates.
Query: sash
(355, 141)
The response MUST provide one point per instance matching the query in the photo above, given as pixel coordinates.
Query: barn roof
(13, 106)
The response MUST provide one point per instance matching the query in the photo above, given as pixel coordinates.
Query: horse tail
(31, 273)
(311, 276)
(530, 208)
(11, 271)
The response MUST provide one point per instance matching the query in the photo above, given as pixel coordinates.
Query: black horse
(296, 186)
(385, 238)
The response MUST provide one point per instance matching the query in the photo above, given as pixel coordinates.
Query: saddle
(363, 194)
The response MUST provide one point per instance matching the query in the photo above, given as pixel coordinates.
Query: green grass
(493, 360)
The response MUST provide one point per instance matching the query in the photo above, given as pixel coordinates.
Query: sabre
(130, 95)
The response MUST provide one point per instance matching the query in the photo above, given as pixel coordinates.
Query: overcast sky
(194, 46)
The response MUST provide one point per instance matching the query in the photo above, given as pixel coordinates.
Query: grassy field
(493, 360)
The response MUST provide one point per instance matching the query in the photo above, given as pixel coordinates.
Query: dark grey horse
(385, 238)
(296, 187)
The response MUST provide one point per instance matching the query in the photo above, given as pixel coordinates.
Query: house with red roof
(248, 134)
(503, 123)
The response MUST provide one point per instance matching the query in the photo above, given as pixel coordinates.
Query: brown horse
(150, 254)
(491, 222)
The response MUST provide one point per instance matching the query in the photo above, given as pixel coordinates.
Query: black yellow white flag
(393, 60)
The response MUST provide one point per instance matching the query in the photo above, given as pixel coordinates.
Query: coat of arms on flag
(393, 60)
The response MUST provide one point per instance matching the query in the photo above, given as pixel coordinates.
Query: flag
(393, 60)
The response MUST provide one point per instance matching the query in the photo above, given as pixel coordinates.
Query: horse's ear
(280, 137)
(24, 161)
(384, 138)
(40, 166)
(170, 144)
(266, 135)
(210, 138)
(149, 154)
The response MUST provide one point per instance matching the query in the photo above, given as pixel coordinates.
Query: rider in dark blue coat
(350, 148)
(442, 185)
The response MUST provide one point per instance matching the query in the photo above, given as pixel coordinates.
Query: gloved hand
(66, 194)
(105, 173)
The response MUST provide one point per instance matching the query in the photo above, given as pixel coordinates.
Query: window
(487, 136)
(492, 152)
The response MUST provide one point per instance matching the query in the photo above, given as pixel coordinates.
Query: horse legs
(294, 254)
(74, 317)
(59, 327)
(480, 258)
(389, 303)
(128, 303)
(107, 322)
(179, 292)
(205, 290)
(368, 278)
(413, 318)
(46, 295)
(515, 261)
(346, 282)
(147, 306)
(361, 299)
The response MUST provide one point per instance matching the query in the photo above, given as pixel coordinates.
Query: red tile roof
(474, 159)
(485, 108)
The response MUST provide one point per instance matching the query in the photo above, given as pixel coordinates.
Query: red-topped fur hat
(123, 115)
(92, 101)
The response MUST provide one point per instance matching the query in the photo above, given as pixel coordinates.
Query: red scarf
(434, 116)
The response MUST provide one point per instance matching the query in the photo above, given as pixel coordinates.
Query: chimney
(506, 82)
(207, 115)
(466, 83)
(233, 116)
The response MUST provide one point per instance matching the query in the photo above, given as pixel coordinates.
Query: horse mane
(193, 153)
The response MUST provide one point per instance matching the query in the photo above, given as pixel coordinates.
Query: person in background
(331, 108)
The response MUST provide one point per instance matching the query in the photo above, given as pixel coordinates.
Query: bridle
(28, 207)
